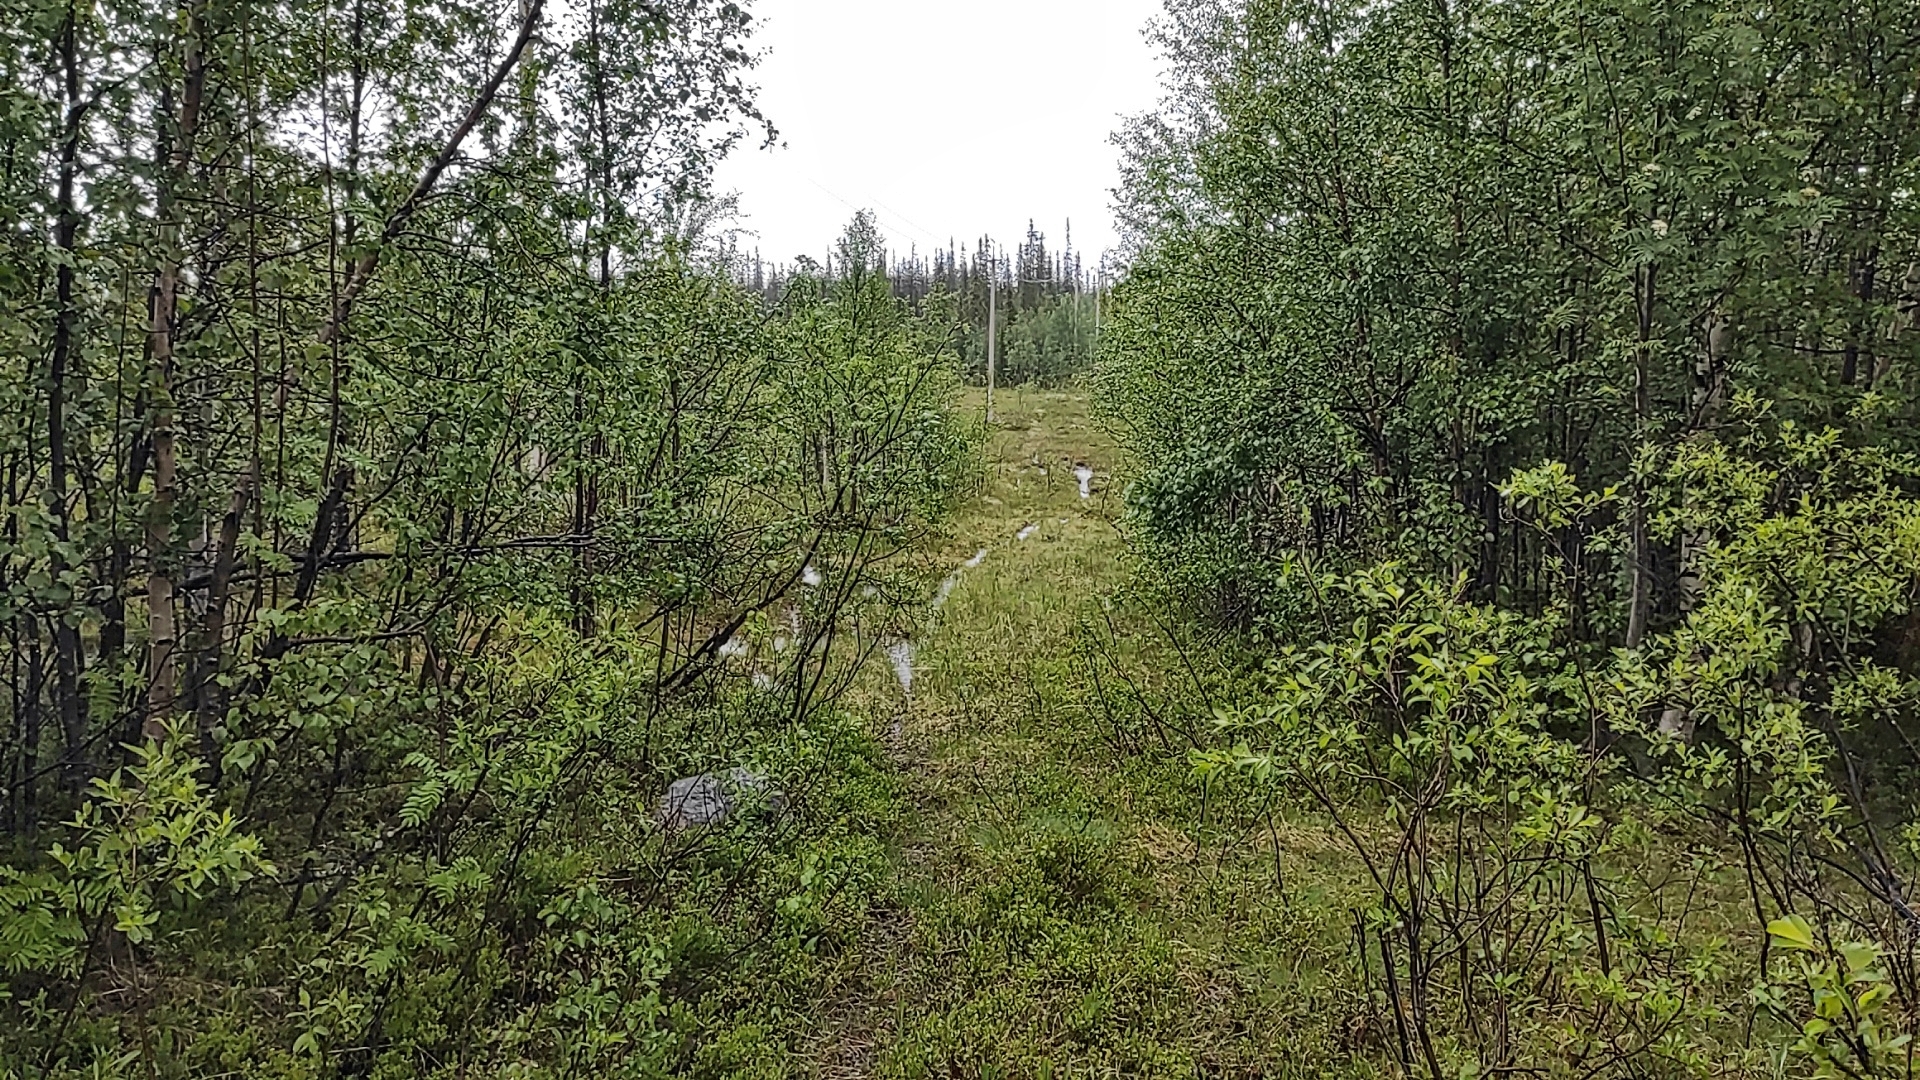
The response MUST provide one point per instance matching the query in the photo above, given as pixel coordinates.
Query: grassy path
(1062, 904)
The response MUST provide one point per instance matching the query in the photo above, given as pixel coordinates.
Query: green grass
(1040, 884)
(1067, 900)
(1063, 897)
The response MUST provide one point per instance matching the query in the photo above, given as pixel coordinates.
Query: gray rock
(712, 798)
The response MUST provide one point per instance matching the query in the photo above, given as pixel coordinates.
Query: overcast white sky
(947, 119)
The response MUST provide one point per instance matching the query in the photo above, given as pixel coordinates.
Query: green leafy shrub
(454, 761)
(146, 849)
(1845, 988)
(1471, 756)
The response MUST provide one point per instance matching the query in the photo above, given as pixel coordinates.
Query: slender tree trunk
(66, 633)
(580, 594)
(1639, 544)
(1708, 390)
(27, 701)
(207, 701)
(586, 489)
(1676, 720)
(162, 634)
(1861, 278)
(162, 630)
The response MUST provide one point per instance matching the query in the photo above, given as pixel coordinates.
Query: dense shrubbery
(1529, 882)
(1387, 254)
(395, 501)
(1051, 344)
(432, 849)
(1048, 343)
(1538, 381)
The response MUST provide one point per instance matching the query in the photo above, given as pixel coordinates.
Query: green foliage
(866, 393)
(1846, 991)
(1386, 254)
(1509, 924)
(147, 845)
(390, 465)
(1514, 841)
(1049, 344)
(1406, 282)
(555, 933)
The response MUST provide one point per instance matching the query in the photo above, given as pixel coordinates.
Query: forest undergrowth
(1067, 897)
(1441, 602)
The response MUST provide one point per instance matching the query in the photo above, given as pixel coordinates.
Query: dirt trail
(1027, 554)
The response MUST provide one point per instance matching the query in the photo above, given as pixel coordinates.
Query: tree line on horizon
(1045, 298)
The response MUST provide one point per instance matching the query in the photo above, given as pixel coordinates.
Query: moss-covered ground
(1064, 898)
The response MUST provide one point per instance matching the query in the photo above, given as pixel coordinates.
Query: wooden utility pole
(993, 328)
(1072, 273)
(1099, 279)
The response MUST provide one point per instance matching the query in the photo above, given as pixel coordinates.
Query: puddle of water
(900, 652)
(1085, 476)
(900, 655)
(946, 587)
(1026, 531)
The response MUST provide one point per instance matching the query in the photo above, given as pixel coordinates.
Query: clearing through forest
(1060, 905)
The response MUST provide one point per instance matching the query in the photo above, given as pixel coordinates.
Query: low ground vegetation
(1474, 636)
